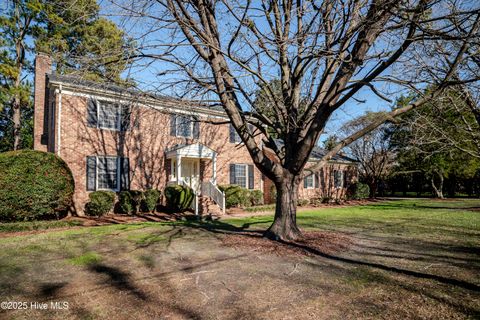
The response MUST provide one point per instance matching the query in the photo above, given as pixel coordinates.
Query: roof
(318, 154)
(76, 81)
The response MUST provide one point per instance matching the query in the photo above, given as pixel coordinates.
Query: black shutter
(232, 174)
(91, 173)
(92, 118)
(196, 128)
(124, 174)
(317, 180)
(173, 125)
(126, 111)
(251, 181)
(305, 182)
(232, 134)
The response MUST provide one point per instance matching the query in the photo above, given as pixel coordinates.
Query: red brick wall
(43, 65)
(144, 145)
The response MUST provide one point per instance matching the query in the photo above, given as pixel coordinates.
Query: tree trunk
(16, 122)
(373, 189)
(284, 225)
(16, 99)
(437, 190)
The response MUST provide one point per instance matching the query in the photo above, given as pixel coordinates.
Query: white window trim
(340, 186)
(312, 176)
(118, 174)
(119, 110)
(235, 135)
(191, 126)
(246, 174)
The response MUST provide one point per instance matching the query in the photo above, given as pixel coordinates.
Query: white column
(179, 168)
(214, 169)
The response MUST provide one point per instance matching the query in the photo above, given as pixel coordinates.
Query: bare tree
(372, 151)
(323, 53)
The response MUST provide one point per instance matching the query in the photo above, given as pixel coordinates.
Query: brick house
(116, 139)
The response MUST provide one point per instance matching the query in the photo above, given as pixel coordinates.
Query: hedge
(358, 191)
(101, 203)
(236, 196)
(34, 185)
(178, 197)
(150, 200)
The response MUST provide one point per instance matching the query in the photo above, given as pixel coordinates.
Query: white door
(190, 172)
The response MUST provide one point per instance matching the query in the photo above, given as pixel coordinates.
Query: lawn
(401, 259)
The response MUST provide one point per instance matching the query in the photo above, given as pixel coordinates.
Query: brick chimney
(43, 66)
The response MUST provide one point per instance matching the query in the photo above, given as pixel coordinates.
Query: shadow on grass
(220, 227)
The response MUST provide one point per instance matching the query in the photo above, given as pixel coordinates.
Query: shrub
(256, 197)
(101, 202)
(34, 185)
(125, 203)
(150, 200)
(303, 202)
(178, 197)
(358, 191)
(236, 196)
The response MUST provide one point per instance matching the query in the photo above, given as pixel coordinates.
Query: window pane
(241, 175)
(108, 116)
(107, 173)
(309, 181)
(184, 126)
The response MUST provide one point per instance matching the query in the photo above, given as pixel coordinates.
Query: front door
(190, 172)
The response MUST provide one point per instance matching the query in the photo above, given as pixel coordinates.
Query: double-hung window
(309, 182)
(234, 136)
(108, 115)
(108, 173)
(185, 126)
(242, 175)
(338, 179)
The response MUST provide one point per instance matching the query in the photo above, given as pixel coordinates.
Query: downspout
(59, 119)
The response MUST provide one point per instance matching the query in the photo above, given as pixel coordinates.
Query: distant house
(117, 139)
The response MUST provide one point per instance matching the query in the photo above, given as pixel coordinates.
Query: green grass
(36, 225)
(85, 259)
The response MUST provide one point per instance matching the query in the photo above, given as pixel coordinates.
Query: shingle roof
(318, 153)
(115, 88)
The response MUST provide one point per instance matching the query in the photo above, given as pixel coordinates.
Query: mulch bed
(312, 244)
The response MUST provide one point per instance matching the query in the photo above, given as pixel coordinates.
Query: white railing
(211, 190)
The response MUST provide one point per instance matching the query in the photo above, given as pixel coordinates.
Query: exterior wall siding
(144, 144)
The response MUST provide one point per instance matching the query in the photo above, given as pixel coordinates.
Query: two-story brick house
(117, 139)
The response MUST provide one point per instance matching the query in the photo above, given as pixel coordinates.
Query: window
(338, 178)
(108, 115)
(108, 173)
(308, 182)
(242, 175)
(234, 137)
(184, 126)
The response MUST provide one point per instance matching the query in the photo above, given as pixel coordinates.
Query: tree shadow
(220, 227)
(119, 279)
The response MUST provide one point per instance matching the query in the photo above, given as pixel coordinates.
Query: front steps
(207, 207)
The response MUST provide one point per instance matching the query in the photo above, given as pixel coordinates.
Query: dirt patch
(313, 243)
